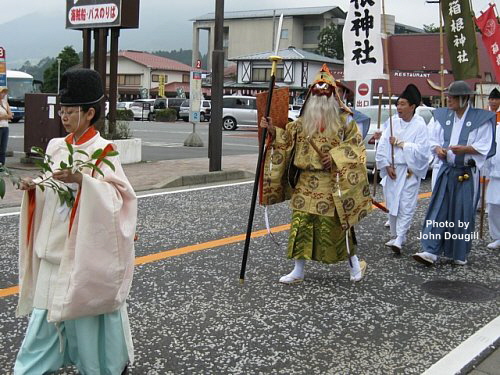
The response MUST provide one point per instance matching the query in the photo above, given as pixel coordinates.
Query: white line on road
(160, 144)
(16, 136)
(165, 193)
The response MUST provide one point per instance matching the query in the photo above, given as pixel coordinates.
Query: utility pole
(215, 129)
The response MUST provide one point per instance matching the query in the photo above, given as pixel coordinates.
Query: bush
(166, 115)
(124, 115)
(122, 130)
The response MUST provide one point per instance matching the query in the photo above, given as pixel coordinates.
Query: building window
(284, 34)
(185, 78)
(311, 34)
(263, 74)
(129, 80)
(155, 77)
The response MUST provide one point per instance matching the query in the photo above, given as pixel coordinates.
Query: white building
(139, 73)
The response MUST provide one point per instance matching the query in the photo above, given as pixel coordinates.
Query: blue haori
(452, 203)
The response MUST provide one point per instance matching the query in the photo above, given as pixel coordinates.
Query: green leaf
(82, 152)
(42, 188)
(96, 168)
(63, 165)
(37, 150)
(70, 148)
(109, 164)
(2, 188)
(70, 160)
(112, 153)
(97, 153)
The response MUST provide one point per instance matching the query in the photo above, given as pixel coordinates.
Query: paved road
(190, 315)
(164, 141)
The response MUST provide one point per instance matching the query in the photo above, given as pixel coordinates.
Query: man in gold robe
(323, 153)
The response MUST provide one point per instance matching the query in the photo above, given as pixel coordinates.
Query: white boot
(358, 268)
(494, 245)
(297, 275)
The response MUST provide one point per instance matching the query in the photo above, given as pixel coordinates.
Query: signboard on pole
(363, 94)
(161, 86)
(363, 53)
(195, 97)
(84, 14)
(3, 68)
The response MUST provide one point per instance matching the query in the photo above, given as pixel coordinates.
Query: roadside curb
(201, 179)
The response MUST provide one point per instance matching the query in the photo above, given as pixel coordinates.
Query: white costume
(411, 164)
(76, 266)
(492, 171)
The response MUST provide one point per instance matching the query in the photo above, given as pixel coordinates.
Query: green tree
(330, 42)
(431, 28)
(69, 58)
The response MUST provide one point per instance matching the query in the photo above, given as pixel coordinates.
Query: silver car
(238, 110)
(372, 112)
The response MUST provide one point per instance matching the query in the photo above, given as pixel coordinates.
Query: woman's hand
(65, 175)
(26, 183)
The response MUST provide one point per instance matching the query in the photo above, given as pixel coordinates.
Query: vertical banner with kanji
(461, 38)
(490, 30)
(363, 53)
(161, 86)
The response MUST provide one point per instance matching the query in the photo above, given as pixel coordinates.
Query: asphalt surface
(190, 315)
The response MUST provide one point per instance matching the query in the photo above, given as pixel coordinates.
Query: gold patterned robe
(341, 194)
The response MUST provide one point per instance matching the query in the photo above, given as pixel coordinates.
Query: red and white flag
(490, 30)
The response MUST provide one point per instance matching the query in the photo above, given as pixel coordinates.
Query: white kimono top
(78, 262)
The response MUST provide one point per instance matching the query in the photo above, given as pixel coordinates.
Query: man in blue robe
(462, 138)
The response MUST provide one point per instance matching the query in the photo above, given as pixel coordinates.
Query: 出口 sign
(83, 14)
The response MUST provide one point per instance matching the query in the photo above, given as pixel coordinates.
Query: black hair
(97, 109)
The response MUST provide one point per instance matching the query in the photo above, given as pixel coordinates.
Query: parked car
(294, 112)
(205, 110)
(123, 105)
(238, 110)
(142, 109)
(172, 103)
(372, 112)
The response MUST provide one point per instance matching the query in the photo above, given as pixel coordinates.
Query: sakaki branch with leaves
(45, 180)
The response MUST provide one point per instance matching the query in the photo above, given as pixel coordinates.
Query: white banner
(363, 53)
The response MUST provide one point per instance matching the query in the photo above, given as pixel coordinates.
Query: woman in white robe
(76, 264)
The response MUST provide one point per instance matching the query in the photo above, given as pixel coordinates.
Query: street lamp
(58, 74)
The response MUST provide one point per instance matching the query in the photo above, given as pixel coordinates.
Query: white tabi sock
(298, 270)
(355, 269)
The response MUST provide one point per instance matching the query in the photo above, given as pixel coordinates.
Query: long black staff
(274, 60)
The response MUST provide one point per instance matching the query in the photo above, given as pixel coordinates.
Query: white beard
(321, 112)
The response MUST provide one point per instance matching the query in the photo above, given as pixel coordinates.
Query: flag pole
(482, 179)
(379, 119)
(274, 61)
(441, 52)
(387, 69)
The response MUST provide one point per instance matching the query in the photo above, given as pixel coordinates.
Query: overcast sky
(164, 24)
(412, 12)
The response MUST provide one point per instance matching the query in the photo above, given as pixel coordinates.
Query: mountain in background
(36, 36)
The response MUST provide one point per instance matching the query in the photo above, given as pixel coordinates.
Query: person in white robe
(401, 180)
(492, 172)
(76, 263)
